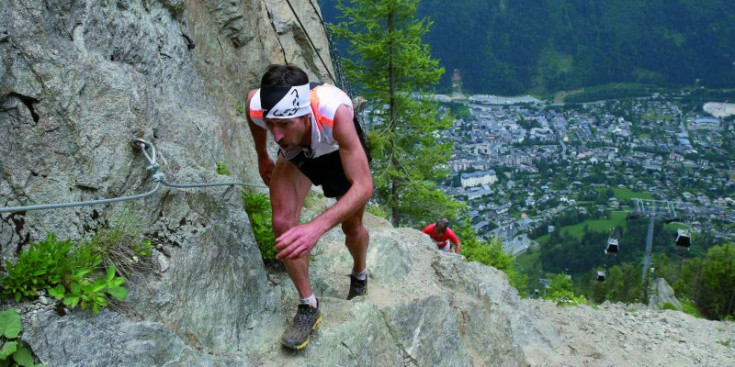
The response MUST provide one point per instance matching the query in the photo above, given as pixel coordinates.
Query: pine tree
(394, 71)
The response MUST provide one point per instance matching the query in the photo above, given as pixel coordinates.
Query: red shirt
(441, 239)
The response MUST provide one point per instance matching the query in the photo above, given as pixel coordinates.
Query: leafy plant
(258, 208)
(717, 281)
(490, 253)
(44, 265)
(90, 293)
(560, 291)
(66, 271)
(222, 169)
(14, 352)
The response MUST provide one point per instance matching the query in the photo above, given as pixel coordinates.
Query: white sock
(361, 275)
(311, 301)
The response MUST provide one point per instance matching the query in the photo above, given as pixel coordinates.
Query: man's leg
(356, 240)
(288, 189)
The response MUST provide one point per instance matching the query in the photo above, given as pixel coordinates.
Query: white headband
(285, 102)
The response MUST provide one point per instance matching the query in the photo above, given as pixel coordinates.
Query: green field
(624, 195)
(596, 225)
(543, 239)
(676, 225)
(527, 260)
(529, 263)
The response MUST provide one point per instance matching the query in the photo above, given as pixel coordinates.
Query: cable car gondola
(601, 275)
(683, 238)
(612, 247)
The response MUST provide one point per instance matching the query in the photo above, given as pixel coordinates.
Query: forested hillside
(510, 47)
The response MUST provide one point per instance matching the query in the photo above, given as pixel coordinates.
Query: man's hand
(265, 167)
(297, 241)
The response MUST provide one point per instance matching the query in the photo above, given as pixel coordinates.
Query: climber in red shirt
(443, 236)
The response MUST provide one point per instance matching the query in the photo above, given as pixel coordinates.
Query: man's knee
(282, 223)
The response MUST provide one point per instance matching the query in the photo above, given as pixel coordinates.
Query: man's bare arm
(299, 240)
(357, 171)
(260, 137)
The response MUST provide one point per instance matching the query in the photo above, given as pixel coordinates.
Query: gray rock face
(79, 80)
(111, 340)
(663, 294)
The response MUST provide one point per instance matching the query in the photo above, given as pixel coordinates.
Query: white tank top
(324, 100)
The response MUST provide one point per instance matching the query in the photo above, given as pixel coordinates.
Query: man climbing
(321, 144)
(443, 235)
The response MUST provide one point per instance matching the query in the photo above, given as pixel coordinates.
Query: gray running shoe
(357, 287)
(297, 335)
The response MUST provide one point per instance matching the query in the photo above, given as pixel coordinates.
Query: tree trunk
(395, 213)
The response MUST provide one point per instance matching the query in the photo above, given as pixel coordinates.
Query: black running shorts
(325, 170)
